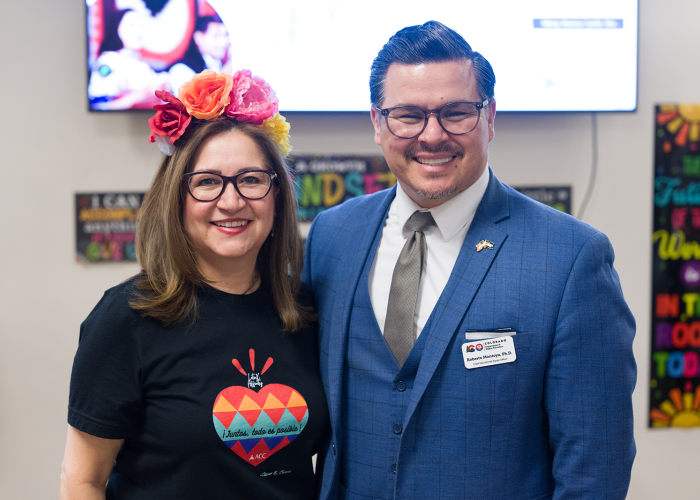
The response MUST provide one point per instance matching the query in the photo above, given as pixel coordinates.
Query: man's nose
(433, 132)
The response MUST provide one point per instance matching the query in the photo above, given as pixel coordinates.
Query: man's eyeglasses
(208, 186)
(456, 118)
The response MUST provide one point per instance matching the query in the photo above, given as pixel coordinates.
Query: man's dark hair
(431, 42)
(202, 23)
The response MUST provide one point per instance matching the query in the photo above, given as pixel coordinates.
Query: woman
(198, 378)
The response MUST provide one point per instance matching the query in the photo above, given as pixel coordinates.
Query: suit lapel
(357, 243)
(466, 278)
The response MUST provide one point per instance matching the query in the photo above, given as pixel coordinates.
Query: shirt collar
(450, 216)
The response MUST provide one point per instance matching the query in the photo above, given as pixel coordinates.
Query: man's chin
(435, 194)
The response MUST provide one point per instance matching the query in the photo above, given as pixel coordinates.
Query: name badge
(494, 351)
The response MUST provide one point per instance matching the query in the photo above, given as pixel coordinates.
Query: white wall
(51, 147)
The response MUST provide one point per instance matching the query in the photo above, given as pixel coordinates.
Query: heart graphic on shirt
(256, 425)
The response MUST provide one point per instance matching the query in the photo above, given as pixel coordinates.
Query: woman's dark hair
(169, 277)
(431, 42)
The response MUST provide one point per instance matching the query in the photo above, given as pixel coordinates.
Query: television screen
(547, 55)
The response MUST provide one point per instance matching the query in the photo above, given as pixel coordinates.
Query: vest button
(398, 428)
(400, 386)
(393, 468)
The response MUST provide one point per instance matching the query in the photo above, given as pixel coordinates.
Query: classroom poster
(675, 337)
(326, 181)
(557, 197)
(105, 226)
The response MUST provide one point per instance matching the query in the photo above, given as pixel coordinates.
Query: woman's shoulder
(306, 297)
(307, 301)
(113, 309)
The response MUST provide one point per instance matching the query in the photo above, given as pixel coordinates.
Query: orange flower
(207, 94)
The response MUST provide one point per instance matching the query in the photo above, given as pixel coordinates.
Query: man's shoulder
(534, 216)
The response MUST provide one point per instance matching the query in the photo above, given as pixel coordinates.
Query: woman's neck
(240, 280)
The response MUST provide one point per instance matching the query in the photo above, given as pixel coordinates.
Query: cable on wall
(594, 166)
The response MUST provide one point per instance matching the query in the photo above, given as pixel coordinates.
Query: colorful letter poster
(675, 337)
(558, 197)
(326, 181)
(105, 226)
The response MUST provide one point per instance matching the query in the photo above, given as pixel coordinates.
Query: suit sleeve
(589, 379)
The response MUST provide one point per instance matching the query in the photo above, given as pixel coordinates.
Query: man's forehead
(214, 28)
(446, 81)
(428, 67)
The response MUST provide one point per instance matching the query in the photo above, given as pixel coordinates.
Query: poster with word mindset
(675, 338)
(105, 226)
(326, 181)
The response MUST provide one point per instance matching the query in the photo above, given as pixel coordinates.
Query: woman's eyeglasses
(208, 186)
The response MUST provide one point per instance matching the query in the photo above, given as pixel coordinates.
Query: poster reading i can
(105, 226)
(675, 338)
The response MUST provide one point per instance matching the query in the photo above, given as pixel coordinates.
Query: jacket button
(333, 446)
(398, 428)
(400, 386)
(393, 468)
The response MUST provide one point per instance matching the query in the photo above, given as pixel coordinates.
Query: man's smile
(434, 161)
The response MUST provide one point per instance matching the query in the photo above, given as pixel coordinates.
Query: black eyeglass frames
(208, 186)
(456, 118)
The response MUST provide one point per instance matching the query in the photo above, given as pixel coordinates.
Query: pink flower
(171, 119)
(252, 99)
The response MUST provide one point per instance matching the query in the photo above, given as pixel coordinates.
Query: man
(209, 47)
(483, 351)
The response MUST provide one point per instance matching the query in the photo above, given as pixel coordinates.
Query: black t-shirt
(230, 407)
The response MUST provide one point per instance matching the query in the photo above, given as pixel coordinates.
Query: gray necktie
(399, 329)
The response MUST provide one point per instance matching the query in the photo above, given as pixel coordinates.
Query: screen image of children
(119, 78)
(209, 49)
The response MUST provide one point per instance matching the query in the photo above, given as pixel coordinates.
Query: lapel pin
(484, 244)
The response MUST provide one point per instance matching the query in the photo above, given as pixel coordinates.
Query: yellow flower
(278, 128)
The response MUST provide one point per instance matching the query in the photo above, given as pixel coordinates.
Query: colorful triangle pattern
(255, 425)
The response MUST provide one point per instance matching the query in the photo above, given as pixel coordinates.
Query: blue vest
(375, 395)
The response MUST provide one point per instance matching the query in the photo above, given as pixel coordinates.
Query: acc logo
(479, 347)
(470, 348)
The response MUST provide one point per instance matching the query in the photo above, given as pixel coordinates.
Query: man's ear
(197, 37)
(375, 121)
(492, 117)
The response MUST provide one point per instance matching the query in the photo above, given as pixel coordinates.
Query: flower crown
(216, 96)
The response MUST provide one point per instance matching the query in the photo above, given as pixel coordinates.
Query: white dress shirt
(444, 241)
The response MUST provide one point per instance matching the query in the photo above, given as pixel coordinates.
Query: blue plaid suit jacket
(557, 422)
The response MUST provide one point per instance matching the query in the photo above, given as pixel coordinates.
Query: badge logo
(479, 347)
(470, 348)
(484, 244)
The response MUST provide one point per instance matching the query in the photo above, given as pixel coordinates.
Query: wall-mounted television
(547, 55)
